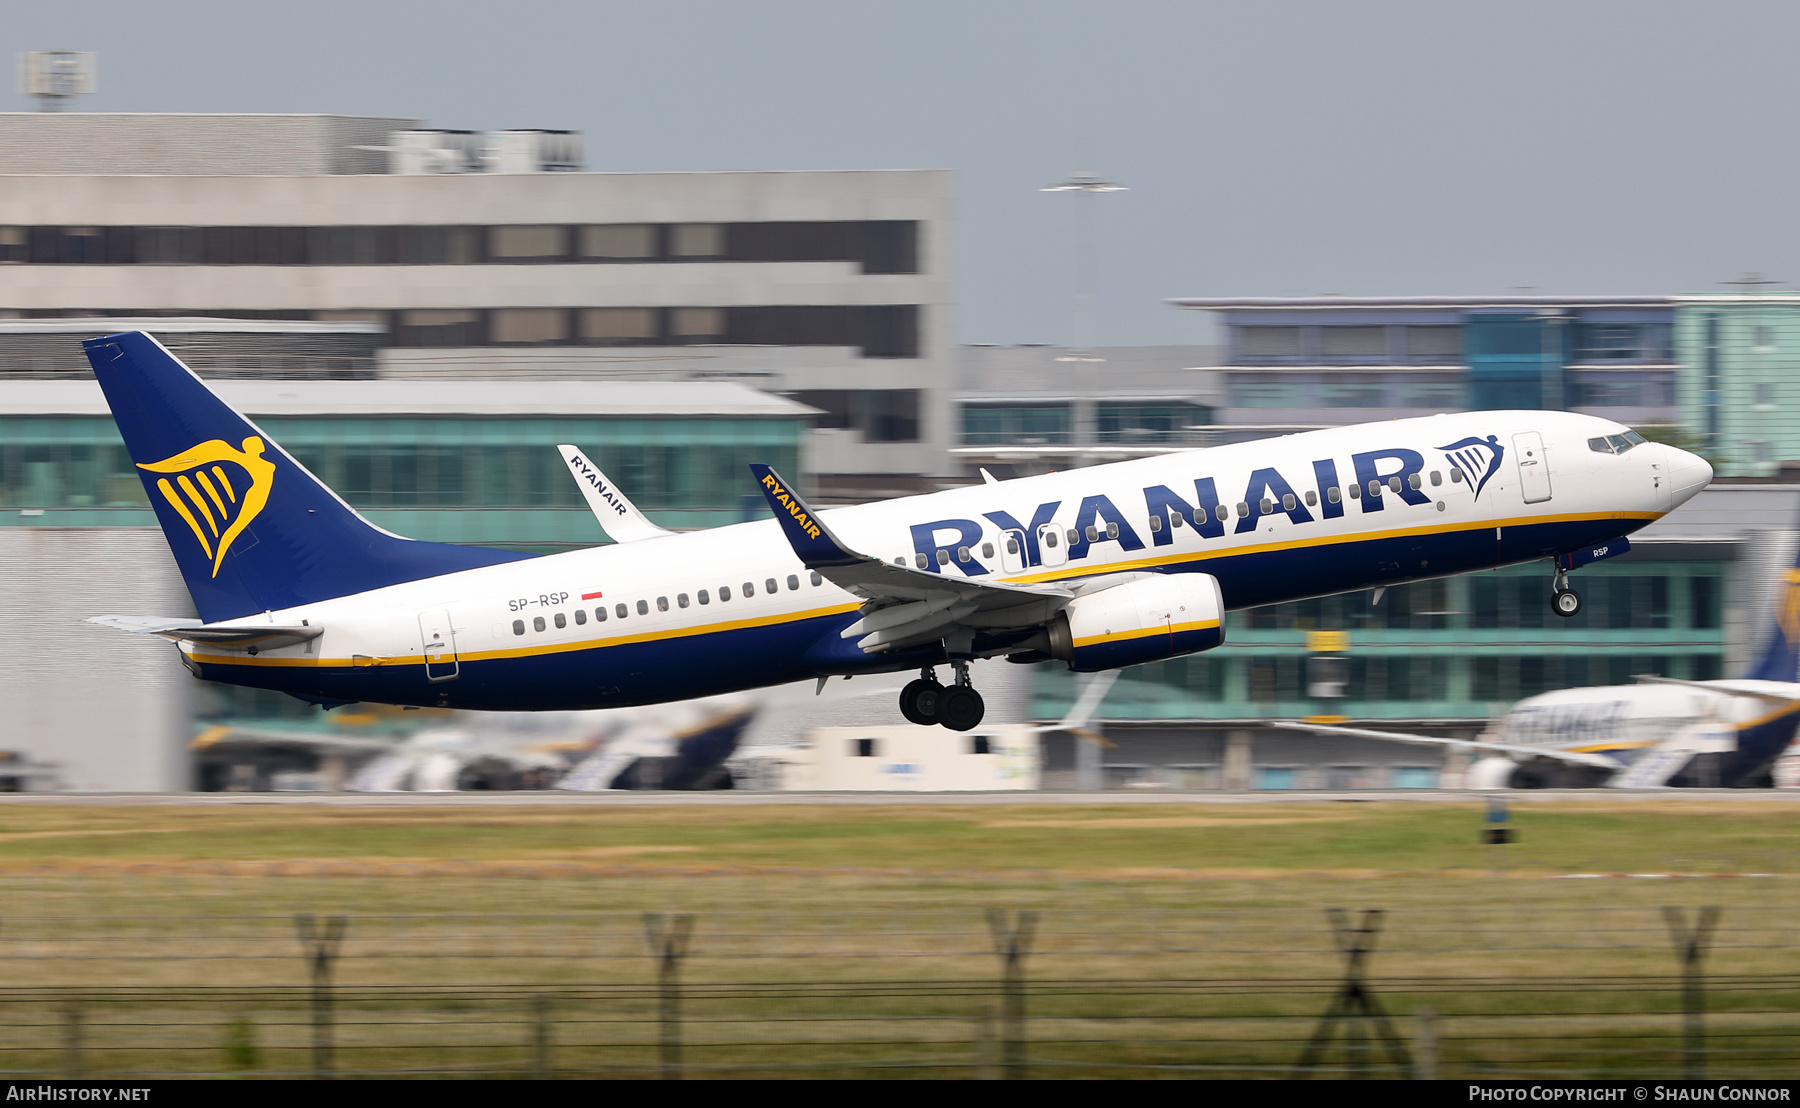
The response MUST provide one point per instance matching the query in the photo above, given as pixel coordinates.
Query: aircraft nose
(1688, 474)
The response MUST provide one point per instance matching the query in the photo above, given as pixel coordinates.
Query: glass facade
(1459, 648)
(448, 480)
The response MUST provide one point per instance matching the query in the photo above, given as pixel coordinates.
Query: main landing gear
(1564, 601)
(958, 707)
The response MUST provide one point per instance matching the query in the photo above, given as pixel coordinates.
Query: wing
(265, 636)
(1712, 687)
(903, 606)
(1569, 756)
(618, 516)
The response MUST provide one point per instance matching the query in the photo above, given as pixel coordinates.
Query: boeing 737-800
(1098, 568)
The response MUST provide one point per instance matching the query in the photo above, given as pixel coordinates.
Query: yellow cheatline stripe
(225, 481)
(534, 651)
(163, 486)
(1089, 569)
(1164, 629)
(1785, 709)
(1602, 748)
(219, 501)
(187, 486)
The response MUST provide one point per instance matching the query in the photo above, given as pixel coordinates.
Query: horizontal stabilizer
(618, 516)
(264, 636)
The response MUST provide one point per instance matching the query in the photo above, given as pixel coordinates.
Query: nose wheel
(958, 707)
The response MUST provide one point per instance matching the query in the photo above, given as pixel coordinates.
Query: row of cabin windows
(623, 611)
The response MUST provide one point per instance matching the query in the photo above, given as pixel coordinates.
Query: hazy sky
(1270, 148)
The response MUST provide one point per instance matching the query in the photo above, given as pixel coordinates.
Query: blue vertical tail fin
(1780, 660)
(250, 527)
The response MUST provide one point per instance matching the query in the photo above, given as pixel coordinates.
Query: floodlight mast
(54, 77)
(1089, 185)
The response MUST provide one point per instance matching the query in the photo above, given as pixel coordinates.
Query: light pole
(1088, 185)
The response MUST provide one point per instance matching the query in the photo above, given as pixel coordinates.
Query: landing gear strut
(958, 707)
(1564, 601)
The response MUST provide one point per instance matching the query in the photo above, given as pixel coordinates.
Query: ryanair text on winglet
(793, 507)
(592, 477)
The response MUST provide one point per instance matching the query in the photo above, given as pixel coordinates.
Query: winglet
(817, 547)
(618, 516)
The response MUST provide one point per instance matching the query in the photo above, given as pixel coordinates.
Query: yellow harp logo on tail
(217, 490)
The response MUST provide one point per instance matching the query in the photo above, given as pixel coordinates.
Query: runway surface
(553, 799)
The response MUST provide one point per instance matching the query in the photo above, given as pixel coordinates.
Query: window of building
(12, 245)
(436, 245)
(697, 240)
(439, 327)
(617, 241)
(532, 242)
(696, 324)
(1764, 338)
(1434, 345)
(617, 326)
(1257, 341)
(528, 325)
(1022, 424)
(881, 415)
(1360, 342)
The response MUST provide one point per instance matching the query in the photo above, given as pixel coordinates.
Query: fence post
(668, 945)
(1354, 1006)
(319, 945)
(72, 1038)
(1012, 941)
(1425, 1044)
(540, 1037)
(1690, 947)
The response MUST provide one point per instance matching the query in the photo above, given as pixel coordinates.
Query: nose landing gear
(1564, 601)
(958, 707)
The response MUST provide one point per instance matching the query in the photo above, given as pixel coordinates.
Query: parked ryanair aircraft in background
(1098, 568)
(1661, 731)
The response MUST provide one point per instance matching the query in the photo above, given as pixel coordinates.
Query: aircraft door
(1012, 551)
(439, 640)
(1534, 474)
(1051, 551)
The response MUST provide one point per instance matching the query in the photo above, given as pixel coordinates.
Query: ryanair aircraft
(1097, 568)
(1661, 731)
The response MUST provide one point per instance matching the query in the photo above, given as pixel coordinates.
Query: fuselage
(733, 608)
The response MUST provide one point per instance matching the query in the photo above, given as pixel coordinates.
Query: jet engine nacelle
(1140, 621)
(1490, 773)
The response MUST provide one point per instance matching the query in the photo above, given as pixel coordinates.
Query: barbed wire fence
(1253, 993)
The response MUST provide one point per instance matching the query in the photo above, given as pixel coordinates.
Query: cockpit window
(1615, 444)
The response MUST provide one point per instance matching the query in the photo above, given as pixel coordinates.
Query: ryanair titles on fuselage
(1377, 474)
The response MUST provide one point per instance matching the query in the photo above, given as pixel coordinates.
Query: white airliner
(1645, 735)
(1097, 568)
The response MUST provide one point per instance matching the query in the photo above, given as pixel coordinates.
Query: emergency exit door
(1534, 470)
(439, 639)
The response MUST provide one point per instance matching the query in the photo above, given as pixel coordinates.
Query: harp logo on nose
(217, 490)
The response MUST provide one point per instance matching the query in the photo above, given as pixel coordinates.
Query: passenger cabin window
(1312, 499)
(749, 589)
(600, 614)
(987, 550)
(919, 560)
(537, 623)
(662, 603)
(643, 608)
(580, 617)
(816, 579)
(620, 610)
(1075, 536)
(561, 621)
(1266, 505)
(1221, 513)
(1436, 478)
(1156, 523)
(1049, 540)
(770, 587)
(1243, 509)
(1456, 477)
(1288, 501)
(681, 600)
(724, 593)
(962, 554)
(518, 627)
(944, 555)
(704, 597)
(1332, 494)
(1355, 491)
